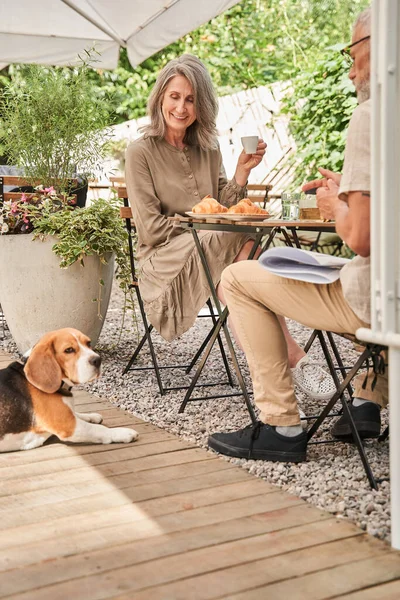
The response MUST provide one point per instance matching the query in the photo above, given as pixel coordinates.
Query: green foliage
(320, 104)
(18, 216)
(95, 230)
(52, 123)
(254, 43)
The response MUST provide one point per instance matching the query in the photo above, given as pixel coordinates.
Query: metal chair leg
(384, 435)
(150, 343)
(341, 387)
(137, 351)
(220, 344)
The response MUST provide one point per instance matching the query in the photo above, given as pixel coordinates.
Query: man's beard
(363, 91)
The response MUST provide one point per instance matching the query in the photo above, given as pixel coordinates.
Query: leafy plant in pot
(44, 230)
(54, 125)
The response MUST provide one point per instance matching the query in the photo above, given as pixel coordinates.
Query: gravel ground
(332, 479)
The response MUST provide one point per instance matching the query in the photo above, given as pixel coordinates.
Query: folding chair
(371, 353)
(259, 193)
(126, 214)
(20, 184)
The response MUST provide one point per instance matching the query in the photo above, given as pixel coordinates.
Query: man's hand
(317, 183)
(328, 200)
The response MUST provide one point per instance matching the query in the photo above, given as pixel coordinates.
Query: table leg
(221, 324)
(270, 239)
(295, 237)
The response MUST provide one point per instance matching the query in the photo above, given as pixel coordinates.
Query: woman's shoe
(313, 380)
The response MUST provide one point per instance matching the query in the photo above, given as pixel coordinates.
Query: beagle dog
(35, 398)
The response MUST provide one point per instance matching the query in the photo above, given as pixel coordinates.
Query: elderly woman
(168, 170)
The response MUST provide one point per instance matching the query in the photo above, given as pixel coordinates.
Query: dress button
(190, 176)
(196, 193)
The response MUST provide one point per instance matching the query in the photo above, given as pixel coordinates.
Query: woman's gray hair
(364, 20)
(203, 131)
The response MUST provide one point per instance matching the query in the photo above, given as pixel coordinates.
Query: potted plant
(53, 128)
(53, 124)
(57, 264)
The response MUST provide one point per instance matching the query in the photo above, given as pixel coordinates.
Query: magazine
(303, 265)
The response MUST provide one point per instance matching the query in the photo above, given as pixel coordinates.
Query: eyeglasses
(346, 51)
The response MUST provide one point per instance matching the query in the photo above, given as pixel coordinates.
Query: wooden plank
(288, 566)
(333, 582)
(95, 459)
(125, 212)
(81, 565)
(11, 487)
(58, 449)
(125, 418)
(65, 537)
(122, 191)
(114, 515)
(43, 513)
(167, 560)
(127, 468)
(386, 591)
(104, 494)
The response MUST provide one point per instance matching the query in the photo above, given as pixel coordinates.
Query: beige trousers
(255, 297)
(363, 386)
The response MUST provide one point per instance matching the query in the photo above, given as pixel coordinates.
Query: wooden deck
(161, 519)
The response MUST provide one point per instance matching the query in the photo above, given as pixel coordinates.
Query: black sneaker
(260, 442)
(367, 419)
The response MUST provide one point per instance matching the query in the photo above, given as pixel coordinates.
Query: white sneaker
(313, 380)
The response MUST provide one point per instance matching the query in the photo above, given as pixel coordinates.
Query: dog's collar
(64, 389)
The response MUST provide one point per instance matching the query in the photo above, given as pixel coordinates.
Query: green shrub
(52, 123)
(320, 104)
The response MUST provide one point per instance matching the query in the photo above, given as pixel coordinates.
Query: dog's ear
(42, 370)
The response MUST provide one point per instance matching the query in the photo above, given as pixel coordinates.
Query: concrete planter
(37, 296)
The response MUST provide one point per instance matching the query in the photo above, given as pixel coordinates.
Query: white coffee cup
(250, 143)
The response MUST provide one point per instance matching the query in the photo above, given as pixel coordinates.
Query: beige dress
(161, 182)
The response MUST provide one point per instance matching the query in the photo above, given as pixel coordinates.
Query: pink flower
(50, 190)
(24, 198)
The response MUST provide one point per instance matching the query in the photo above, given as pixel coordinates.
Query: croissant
(209, 206)
(246, 207)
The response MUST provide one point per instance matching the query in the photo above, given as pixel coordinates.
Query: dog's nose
(95, 361)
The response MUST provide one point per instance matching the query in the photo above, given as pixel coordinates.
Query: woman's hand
(317, 183)
(328, 200)
(247, 162)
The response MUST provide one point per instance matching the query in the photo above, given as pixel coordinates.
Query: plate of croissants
(244, 210)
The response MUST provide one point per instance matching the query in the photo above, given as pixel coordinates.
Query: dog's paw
(123, 435)
(94, 418)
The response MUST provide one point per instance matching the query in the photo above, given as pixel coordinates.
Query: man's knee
(230, 276)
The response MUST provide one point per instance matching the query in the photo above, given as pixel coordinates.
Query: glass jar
(290, 206)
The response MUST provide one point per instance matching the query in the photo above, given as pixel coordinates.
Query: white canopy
(54, 32)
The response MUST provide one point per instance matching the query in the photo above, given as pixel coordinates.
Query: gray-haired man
(256, 297)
